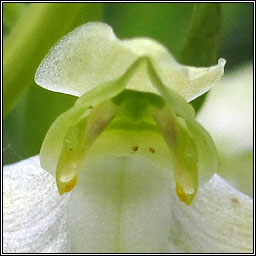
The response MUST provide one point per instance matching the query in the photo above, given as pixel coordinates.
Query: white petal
(91, 55)
(33, 212)
(120, 205)
(220, 220)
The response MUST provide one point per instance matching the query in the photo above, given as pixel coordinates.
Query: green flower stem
(201, 44)
(26, 45)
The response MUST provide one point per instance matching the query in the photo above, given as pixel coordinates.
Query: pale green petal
(110, 89)
(34, 215)
(87, 57)
(219, 220)
(77, 143)
(91, 56)
(185, 160)
(53, 142)
(172, 98)
(200, 80)
(207, 154)
(183, 151)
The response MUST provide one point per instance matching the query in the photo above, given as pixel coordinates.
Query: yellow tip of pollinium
(64, 187)
(183, 196)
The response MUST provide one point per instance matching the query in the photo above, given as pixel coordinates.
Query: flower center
(135, 113)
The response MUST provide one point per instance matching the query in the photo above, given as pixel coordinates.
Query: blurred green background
(30, 30)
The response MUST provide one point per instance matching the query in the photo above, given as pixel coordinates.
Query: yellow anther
(64, 187)
(183, 196)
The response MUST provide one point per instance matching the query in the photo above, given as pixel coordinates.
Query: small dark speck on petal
(134, 149)
(234, 200)
(151, 150)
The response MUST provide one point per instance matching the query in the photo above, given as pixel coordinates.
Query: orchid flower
(134, 169)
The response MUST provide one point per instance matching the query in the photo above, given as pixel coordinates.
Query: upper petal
(87, 57)
(91, 55)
